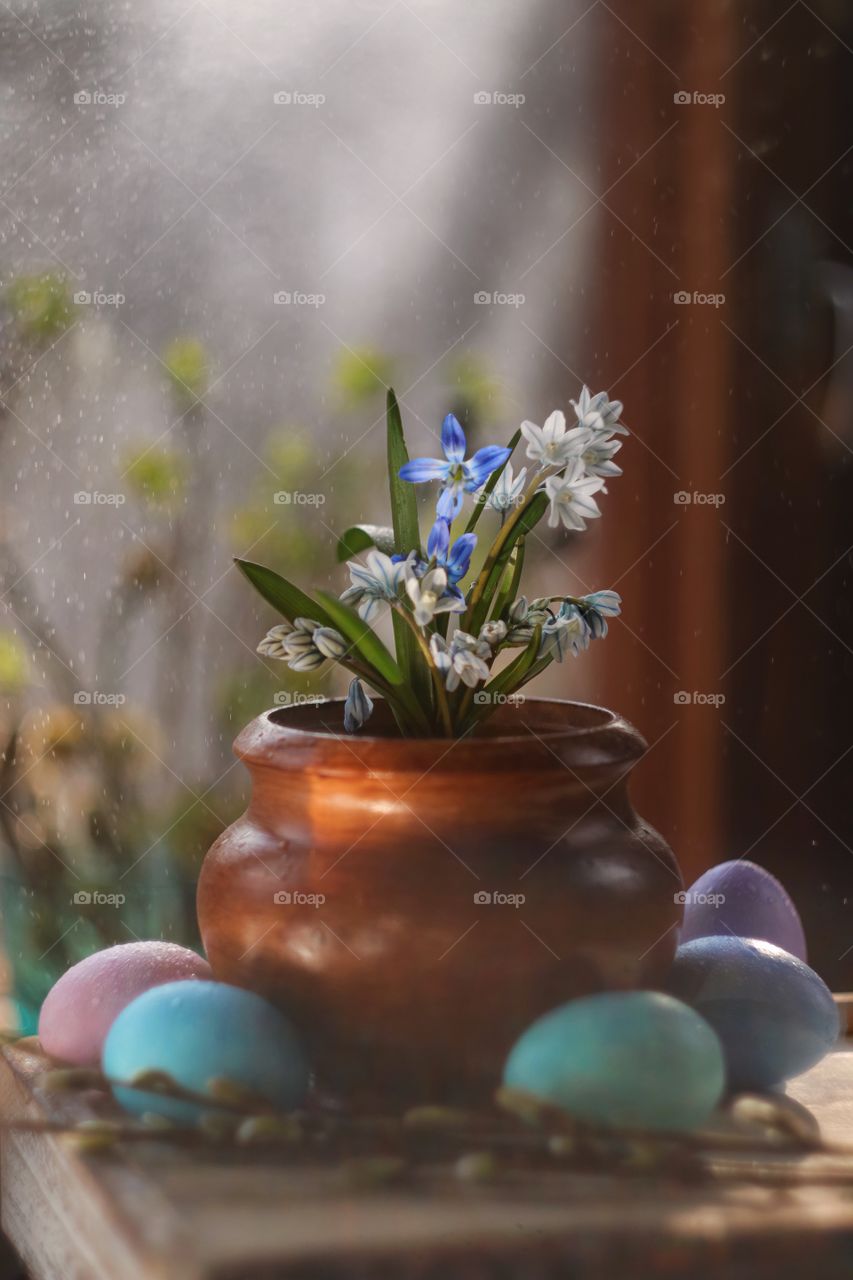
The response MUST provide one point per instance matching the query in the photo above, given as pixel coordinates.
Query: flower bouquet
(454, 627)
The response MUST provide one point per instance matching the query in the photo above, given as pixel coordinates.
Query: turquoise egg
(197, 1030)
(635, 1058)
(775, 1017)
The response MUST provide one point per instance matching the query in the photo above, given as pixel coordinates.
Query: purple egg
(741, 899)
(81, 1007)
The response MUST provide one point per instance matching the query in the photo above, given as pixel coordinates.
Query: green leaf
(370, 650)
(360, 537)
(407, 536)
(480, 504)
(281, 594)
(292, 603)
(533, 513)
(365, 641)
(404, 507)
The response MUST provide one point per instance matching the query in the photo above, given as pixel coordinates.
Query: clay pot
(415, 904)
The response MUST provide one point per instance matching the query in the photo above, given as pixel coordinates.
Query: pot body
(413, 905)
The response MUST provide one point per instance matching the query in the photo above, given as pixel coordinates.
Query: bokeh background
(226, 228)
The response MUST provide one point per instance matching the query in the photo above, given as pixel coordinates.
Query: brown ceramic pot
(415, 904)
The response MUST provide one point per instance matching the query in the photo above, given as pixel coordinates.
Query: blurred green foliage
(158, 476)
(360, 374)
(84, 788)
(42, 306)
(186, 362)
(14, 663)
(475, 393)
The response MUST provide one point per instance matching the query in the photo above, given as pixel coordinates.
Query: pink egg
(80, 1008)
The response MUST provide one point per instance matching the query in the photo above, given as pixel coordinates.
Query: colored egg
(636, 1058)
(198, 1031)
(743, 899)
(774, 1016)
(82, 1005)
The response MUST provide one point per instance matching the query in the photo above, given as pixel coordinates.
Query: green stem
(495, 550)
(509, 580)
(440, 691)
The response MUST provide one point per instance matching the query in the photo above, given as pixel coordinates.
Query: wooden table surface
(153, 1211)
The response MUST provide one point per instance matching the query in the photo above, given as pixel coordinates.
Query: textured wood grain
(156, 1212)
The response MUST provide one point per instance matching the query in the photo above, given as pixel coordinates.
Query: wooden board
(156, 1212)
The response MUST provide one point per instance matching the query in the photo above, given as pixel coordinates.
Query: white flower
(552, 445)
(597, 457)
(429, 595)
(493, 633)
(524, 618)
(329, 642)
(567, 633)
(272, 645)
(374, 583)
(508, 489)
(308, 659)
(463, 640)
(597, 608)
(598, 413)
(307, 644)
(571, 497)
(461, 660)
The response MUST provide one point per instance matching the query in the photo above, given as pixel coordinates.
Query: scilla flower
(460, 661)
(374, 583)
(457, 475)
(358, 707)
(309, 644)
(552, 445)
(430, 595)
(598, 413)
(567, 633)
(597, 608)
(456, 559)
(273, 643)
(330, 643)
(597, 457)
(493, 633)
(524, 618)
(571, 497)
(508, 489)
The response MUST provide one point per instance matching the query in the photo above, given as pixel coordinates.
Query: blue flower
(457, 475)
(358, 707)
(456, 559)
(597, 608)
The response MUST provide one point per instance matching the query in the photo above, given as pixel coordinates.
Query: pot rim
(602, 737)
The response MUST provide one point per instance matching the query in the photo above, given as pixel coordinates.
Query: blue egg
(635, 1058)
(199, 1030)
(775, 1017)
(742, 898)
